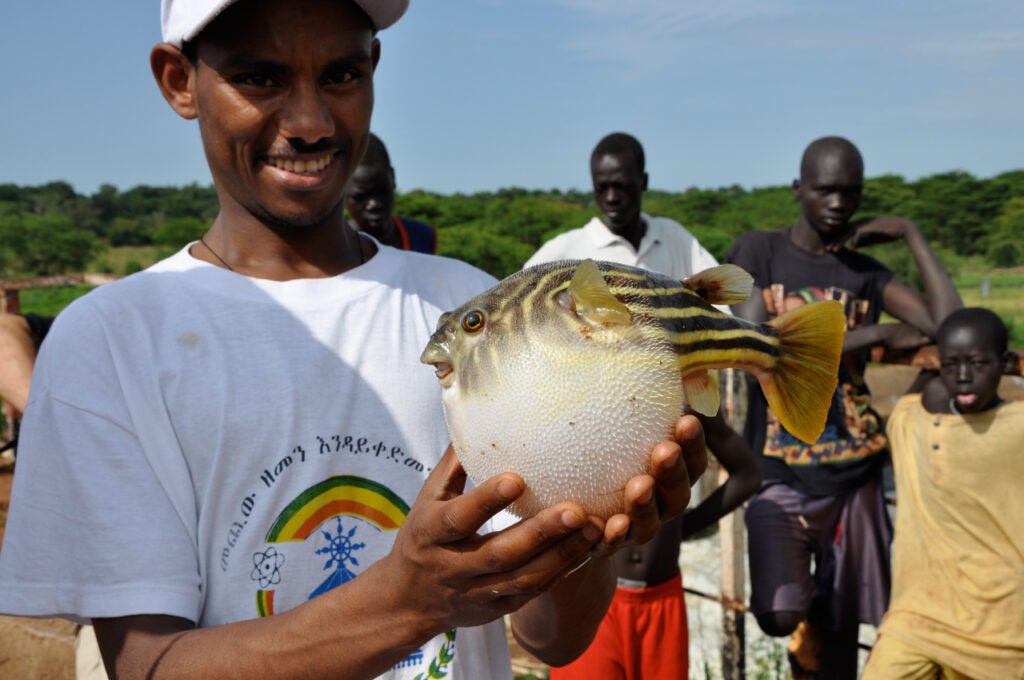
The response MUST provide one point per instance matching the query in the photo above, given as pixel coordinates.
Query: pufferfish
(569, 373)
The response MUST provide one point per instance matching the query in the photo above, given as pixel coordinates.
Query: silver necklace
(953, 408)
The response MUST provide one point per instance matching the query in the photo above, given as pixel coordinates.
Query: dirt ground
(42, 649)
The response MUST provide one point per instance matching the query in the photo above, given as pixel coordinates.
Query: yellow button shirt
(958, 555)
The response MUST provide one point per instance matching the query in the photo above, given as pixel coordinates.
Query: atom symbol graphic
(267, 567)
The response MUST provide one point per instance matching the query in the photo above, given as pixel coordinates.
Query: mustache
(297, 146)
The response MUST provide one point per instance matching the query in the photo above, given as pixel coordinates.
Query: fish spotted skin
(571, 371)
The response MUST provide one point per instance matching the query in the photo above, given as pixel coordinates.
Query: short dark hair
(376, 152)
(620, 143)
(826, 145)
(190, 48)
(979, 318)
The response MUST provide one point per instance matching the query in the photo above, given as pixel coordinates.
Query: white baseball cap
(182, 20)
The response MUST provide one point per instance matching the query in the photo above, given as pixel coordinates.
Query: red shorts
(642, 637)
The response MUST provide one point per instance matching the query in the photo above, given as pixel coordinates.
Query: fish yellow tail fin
(800, 387)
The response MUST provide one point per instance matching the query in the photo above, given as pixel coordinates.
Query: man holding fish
(825, 498)
(231, 462)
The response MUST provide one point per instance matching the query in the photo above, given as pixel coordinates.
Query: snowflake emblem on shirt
(340, 548)
(267, 567)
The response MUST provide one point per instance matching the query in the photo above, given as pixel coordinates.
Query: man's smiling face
(283, 93)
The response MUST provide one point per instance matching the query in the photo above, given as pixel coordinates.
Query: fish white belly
(574, 424)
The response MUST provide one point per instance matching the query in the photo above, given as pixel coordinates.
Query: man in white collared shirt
(653, 641)
(624, 234)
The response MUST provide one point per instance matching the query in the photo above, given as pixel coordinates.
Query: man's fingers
(521, 543)
(545, 552)
(447, 480)
(642, 508)
(460, 516)
(616, 533)
(689, 435)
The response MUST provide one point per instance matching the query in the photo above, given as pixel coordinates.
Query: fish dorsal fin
(725, 284)
(701, 390)
(593, 298)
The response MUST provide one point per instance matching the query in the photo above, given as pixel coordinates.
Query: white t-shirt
(210, 446)
(666, 247)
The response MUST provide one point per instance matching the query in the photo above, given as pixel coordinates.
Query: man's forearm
(941, 295)
(724, 500)
(859, 339)
(350, 632)
(17, 359)
(560, 624)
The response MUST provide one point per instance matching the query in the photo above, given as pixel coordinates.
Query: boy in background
(958, 573)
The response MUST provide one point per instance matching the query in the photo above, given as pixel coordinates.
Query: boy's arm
(744, 476)
(17, 359)
(923, 312)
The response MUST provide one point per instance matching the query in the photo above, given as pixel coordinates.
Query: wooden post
(9, 301)
(733, 564)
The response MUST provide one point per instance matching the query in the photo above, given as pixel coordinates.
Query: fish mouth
(436, 356)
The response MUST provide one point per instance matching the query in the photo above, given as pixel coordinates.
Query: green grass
(49, 301)
(1005, 297)
(122, 261)
(126, 259)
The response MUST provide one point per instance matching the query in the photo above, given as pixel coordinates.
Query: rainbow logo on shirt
(338, 497)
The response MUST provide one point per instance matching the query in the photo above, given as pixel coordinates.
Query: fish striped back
(662, 309)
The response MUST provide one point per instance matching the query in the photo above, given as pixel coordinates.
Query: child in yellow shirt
(957, 607)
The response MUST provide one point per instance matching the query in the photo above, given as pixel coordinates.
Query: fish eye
(473, 321)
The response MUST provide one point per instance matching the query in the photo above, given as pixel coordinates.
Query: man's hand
(559, 624)
(450, 575)
(655, 499)
(879, 230)
(453, 576)
(902, 336)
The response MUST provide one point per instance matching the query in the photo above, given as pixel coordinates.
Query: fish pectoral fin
(701, 390)
(725, 284)
(593, 298)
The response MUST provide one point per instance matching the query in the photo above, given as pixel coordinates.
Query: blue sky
(481, 94)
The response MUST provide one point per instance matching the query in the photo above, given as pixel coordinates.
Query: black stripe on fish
(747, 343)
(713, 323)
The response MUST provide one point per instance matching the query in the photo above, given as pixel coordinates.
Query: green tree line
(51, 228)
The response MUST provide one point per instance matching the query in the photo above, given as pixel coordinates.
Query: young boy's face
(971, 367)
